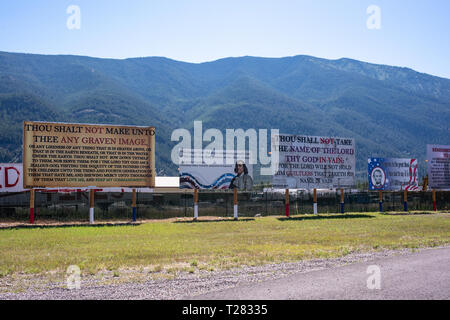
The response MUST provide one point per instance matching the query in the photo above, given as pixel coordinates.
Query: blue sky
(414, 33)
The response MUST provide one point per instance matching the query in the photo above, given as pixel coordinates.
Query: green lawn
(215, 245)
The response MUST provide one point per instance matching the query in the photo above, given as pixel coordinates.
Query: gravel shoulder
(162, 286)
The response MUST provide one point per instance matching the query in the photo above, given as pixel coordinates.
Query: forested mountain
(390, 111)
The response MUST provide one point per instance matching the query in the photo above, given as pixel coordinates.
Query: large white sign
(208, 174)
(314, 162)
(438, 166)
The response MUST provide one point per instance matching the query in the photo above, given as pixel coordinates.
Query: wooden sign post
(235, 201)
(195, 204)
(405, 200)
(381, 200)
(133, 204)
(91, 206)
(434, 200)
(315, 200)
(32, 206)
(287, 203)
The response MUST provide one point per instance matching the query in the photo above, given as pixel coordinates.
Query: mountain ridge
(390, 111)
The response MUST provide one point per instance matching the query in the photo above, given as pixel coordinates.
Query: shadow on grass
(217, 220)
(68, 225)
(409, 213)
(327, 217)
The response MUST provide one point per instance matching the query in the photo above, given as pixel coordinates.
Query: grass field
(208, 245)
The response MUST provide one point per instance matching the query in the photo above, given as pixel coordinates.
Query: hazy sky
(413, 33)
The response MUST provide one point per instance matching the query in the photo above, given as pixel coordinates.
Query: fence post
(226, 204)
(393, 204)
(133, 204)
(235, 201)
(91, 206)
(287, 203)
(185, 202)
(381, 200)
(32, 206)
(405, 200)
(434, 200)
(315, 200)
(267, 211)
(195, 204)
(342, 201)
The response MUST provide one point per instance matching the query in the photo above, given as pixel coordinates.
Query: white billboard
(438, 157)
(314, 162)
(225, 170)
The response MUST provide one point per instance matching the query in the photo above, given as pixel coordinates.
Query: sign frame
(117, 135)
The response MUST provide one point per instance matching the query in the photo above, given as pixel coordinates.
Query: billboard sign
(223, 174)
(393, 174)
(314, 162)
(438, 157)
(86, 155)
(11, 178)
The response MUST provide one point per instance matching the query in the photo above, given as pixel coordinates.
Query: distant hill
(390, 111)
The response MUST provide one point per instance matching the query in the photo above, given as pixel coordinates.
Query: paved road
(421, 275)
